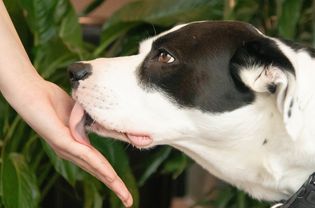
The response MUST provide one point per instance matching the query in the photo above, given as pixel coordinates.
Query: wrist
(22, 88)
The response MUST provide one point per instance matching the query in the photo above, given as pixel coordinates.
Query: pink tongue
(76, 124)
(139, 140)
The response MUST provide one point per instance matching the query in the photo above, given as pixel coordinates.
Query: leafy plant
(229, 197)
(30, 170)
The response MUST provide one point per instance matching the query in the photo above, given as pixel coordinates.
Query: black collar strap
(303, 198)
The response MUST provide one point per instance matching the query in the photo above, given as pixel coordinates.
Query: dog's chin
(81, 121)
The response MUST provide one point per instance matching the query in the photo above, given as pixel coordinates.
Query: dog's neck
(241, 149)
(263, 158)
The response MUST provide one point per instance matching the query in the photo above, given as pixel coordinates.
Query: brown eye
(166, 58)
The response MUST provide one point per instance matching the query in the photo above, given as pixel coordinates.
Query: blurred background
(56, 33)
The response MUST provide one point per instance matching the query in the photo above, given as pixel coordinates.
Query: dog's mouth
(80, 121)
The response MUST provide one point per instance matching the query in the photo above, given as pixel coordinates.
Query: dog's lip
(80, 119)
(139, 140)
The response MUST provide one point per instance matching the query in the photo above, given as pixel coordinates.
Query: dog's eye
(165, 57)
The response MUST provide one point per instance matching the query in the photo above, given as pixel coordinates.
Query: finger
(114, 181)
(89, 159)
(117, 186)
(93, 162)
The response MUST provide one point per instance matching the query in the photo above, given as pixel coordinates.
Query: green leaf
(229, 197)
(93, 5)
(313, 24)
(50, 19)
(19, 183)
(289, 18)
(65, 168)
(158, 12)
(18, 132)
(39, 18)
(241, 200)
(70, 31)
(176, 164)
(92, 196)
(57, 34)
(116, 155)
(244, 10)
(4, 117)
(153, 162)
(111, 34)
(167, 12)
(16, 13)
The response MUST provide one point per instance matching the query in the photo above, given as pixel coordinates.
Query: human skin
(46, 108)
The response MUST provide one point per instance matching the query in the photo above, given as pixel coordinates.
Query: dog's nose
(79, 71)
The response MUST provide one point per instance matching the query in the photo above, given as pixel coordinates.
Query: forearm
(17, 72)
(5, 18)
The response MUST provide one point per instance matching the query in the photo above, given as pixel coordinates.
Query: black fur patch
(261, 52)
(200, 76)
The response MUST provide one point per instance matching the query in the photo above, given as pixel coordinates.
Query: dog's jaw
(78, 127)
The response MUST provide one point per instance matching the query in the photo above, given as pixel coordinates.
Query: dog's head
(182, 85)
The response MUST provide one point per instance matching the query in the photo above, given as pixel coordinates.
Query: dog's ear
(264, 68)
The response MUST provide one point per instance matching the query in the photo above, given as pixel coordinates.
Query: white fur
(229, 145)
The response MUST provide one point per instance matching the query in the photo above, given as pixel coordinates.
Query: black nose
(79, 71)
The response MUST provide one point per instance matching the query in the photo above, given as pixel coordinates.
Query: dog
(238, 102)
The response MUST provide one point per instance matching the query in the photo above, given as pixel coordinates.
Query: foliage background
(30, 172)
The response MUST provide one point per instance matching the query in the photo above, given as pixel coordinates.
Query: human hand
(46, 108)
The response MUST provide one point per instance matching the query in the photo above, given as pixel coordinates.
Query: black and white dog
(238, 102)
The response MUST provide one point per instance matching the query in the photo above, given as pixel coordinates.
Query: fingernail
(126, 198)
(128, 202)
